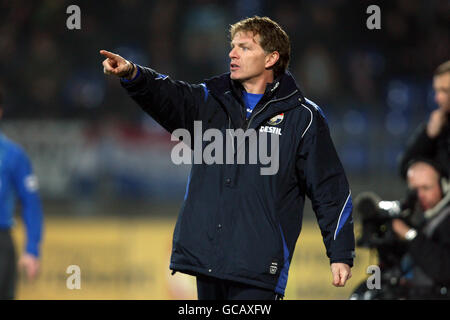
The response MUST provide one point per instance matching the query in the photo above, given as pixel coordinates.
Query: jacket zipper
(267, 103)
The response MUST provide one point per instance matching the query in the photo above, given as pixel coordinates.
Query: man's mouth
(233, 67)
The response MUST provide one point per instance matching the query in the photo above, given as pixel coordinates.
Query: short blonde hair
(442, 68)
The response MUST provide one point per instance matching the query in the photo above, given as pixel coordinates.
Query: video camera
(376, 215)
(376, 218)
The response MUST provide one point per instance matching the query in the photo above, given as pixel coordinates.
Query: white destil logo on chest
(270, 129)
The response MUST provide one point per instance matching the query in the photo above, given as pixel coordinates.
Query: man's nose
(438, 97)
(233, 54)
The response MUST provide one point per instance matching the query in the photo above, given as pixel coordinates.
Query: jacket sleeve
(327, 187)
(26, 186)
(419, 145)
(433, 257)
(173, 104)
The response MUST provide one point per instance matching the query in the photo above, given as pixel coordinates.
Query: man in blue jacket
(237, 228)
(17, 180)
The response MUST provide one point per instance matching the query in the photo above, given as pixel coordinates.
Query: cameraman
(427, 261)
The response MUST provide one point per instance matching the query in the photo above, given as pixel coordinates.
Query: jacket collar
(282, 86)
(223, 88)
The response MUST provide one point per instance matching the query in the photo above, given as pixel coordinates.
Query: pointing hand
(118, 66)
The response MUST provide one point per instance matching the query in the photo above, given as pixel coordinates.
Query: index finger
(343, 280)
(344, 277)
(108, 54)
(336, 279)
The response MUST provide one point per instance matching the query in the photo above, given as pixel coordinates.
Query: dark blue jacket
(235, 223)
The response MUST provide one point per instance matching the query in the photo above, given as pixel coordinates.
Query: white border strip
(341, 214)
(309, 121)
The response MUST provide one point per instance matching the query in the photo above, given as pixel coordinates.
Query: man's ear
(271, 59)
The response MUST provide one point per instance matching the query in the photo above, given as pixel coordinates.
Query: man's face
(248, 58)
(441, 85)
(425, 179)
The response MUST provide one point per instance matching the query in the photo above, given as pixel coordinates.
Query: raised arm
(173, 104)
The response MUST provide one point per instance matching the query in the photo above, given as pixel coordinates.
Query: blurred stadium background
(110, 191)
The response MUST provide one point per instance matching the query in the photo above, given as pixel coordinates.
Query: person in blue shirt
(17, 181)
